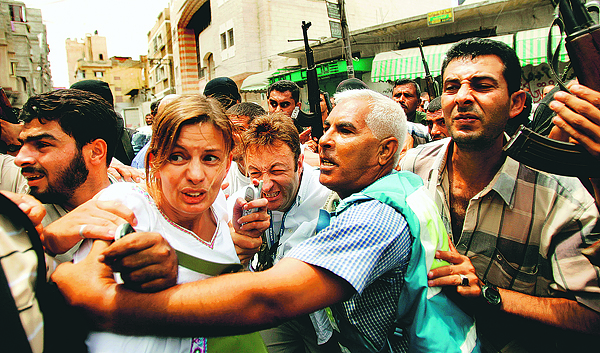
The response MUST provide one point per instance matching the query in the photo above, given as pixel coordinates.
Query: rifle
(312, 82)
(431, 84)
(543, 153)
(6, 111)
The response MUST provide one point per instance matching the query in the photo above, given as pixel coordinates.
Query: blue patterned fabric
(368, 245)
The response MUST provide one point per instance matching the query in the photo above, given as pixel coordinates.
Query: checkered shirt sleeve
(368, 245)
(362, 243)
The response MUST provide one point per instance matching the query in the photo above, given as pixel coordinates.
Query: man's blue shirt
(368, 245)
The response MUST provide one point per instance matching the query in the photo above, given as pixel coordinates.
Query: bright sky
(124, 23)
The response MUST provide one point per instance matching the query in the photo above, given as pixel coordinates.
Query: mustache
(466, 109)
(32, 170)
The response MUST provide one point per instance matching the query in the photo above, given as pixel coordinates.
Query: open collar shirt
(525, 230)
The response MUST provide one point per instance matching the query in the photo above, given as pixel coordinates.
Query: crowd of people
(403, 228)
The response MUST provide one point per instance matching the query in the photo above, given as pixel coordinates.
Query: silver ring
(464, 280)
(81, 230)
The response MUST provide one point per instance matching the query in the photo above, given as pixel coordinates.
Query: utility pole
(346, 38)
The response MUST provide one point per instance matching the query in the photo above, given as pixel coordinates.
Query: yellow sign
(439, 17)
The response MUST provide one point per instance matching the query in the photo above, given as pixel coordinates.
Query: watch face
(491, 295)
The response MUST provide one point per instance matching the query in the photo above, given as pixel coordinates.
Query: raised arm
(578, 115)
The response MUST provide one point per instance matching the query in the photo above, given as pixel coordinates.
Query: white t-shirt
(151, 219)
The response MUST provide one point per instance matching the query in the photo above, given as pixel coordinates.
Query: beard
(67, 180)
(475, 141)
(493, 127)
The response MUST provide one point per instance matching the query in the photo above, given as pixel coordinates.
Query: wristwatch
(490, 294)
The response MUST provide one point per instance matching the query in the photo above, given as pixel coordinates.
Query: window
(116, 78)
(16, 13)
(80, 74)
(117, 89)
(100, 57)
(155, 44)
(13, 68)
(99, 74)
(161, 74)
(230, 37)
(227, 39)
(160, 41)
(223, 41)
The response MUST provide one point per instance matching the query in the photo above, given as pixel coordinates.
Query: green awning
(531, 45)
(407, 63)
(258, 82)
(325, 69)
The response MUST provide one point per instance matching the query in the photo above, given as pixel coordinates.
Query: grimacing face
(191, 179)
(281, 175)
(50, 161)
(476, 103)
(282, 102)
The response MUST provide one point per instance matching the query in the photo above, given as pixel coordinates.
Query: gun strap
(552, 56)
(203, 266)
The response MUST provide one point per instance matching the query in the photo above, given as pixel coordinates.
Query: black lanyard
(271, 240)
(266, 255)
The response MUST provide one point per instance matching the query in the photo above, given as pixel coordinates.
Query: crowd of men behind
(331, 271)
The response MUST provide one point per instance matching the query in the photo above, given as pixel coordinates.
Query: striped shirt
(20, 262)
(524, 230)
(367, 244)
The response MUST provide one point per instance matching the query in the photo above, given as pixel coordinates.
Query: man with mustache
(517, 231)
(69, 137)
(407, 93)
(357, 263)
(435, 120)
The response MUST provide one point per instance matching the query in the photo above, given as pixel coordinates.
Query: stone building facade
(24, 66)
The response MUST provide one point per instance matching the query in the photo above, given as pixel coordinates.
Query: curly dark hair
(284, 86)
(83, 115)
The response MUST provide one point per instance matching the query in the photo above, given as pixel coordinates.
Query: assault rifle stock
(540, 152)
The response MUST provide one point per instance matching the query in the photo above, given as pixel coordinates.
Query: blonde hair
(184, 110)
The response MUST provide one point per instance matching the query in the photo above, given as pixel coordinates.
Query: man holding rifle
(407, 93)
(578, 116)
